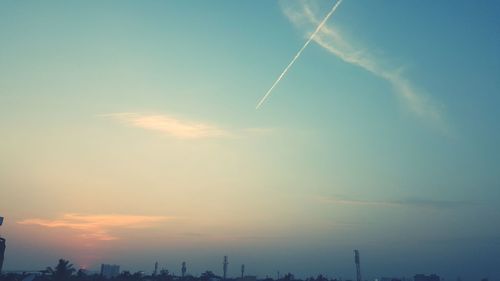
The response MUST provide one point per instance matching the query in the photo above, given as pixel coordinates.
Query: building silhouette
(110, 270)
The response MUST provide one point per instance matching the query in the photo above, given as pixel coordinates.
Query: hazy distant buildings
(423, 277)
(110, 270)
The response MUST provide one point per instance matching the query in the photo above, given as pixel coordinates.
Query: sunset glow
(97, 227)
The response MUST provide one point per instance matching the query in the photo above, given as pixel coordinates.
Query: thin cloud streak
(169, 125)
(331, 39)
(180, 128)
(97, 227)
(410, 202)
(318, 28)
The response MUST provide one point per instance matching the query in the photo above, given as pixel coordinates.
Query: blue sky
(383, 136)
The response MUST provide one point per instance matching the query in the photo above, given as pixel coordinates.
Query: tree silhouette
(207, 275)
(164, 275)
(81, 273)
(321, 278)
(62, 271)
(137, 275)
(127, 276)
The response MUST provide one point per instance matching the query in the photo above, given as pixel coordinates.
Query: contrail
(320, 25)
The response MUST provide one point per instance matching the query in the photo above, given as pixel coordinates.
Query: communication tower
(358, 266)
(225, 267)
(183, 269)
(2, 247)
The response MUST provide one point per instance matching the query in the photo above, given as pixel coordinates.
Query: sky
(130, 134)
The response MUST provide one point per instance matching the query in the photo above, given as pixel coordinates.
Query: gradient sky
(129, 135)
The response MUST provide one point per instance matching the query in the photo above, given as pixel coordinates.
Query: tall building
(110, 270)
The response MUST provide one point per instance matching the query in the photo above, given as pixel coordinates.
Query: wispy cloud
(97, 227)
(170, 125)
(181, 128)
(409, 202)
(332, 40)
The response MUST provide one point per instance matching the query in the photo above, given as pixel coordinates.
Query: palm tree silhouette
(62, 271)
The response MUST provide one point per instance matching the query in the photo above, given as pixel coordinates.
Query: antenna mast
(225, 267)
(358, 266)
(2, 248)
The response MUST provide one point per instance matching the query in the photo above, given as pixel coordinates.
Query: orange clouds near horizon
(97, 227)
